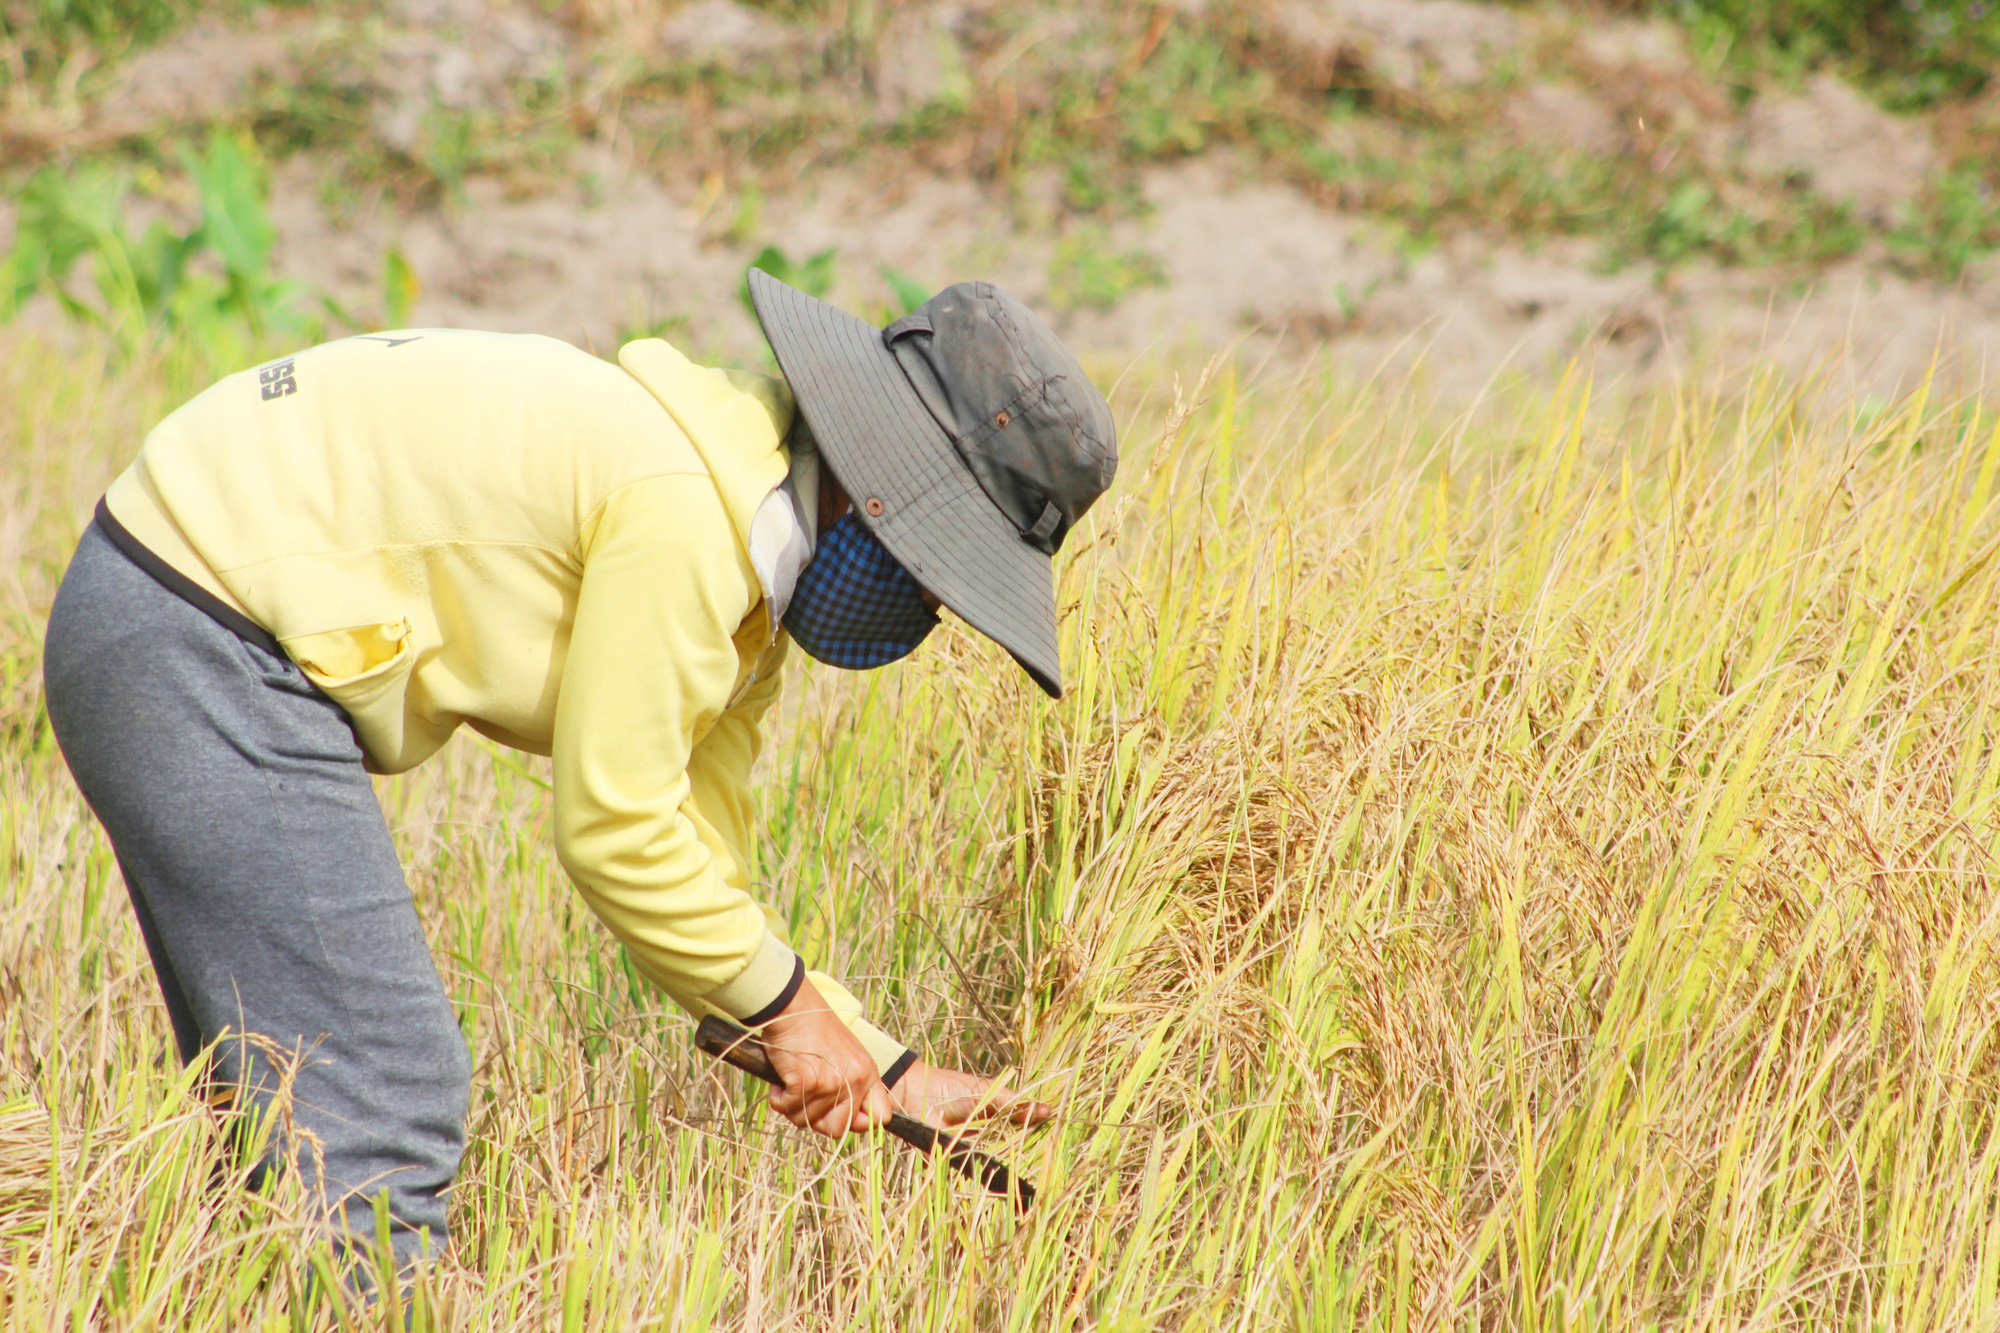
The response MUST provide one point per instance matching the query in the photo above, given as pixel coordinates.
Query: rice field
(1524, 869)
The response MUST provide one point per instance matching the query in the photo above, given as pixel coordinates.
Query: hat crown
(1028, 423)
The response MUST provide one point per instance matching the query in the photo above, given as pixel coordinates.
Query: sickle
(740, 1047)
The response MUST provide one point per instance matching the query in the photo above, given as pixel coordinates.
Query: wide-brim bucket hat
(968, 438)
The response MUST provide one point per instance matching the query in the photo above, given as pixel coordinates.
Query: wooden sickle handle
(739, 1046)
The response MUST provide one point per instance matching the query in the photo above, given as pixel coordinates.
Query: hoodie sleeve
(721, 806)
(649, 672)
(652, 763)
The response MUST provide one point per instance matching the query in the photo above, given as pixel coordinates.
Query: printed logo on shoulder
(277, 379)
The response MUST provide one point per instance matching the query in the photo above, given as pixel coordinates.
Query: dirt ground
(1243, 260)
(617, 247)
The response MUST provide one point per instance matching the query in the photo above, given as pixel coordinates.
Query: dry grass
(1524, 871)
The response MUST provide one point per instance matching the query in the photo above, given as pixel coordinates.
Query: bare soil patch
(1242, 259)
(623, 236)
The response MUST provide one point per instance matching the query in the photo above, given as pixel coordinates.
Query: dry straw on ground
(1528, 870)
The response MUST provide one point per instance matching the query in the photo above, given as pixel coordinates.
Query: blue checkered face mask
(854, 607)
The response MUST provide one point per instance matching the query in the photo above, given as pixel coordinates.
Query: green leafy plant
(1959, 222)
(1915, 52)
(909, 293)
(180, 282)
(47, 32)
(812, 275)
(1692, 219)
(400, 288)
(645, 318)
(747, 217)
(1089, 273)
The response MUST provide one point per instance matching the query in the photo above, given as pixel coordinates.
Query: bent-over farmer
(319, 569)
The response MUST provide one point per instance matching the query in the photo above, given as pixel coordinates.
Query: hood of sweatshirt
(737, 420)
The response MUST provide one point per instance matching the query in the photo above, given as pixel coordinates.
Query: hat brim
(885, 446)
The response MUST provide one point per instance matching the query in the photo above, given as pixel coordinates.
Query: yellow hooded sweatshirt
(443, 527)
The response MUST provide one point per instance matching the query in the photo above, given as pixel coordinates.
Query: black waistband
(184, 587)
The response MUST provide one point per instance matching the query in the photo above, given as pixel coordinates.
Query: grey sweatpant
(266, 887)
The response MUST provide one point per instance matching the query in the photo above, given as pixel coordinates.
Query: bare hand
(831, 1085)
(948, 1098)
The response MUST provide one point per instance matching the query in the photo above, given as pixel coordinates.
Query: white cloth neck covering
(783, 531)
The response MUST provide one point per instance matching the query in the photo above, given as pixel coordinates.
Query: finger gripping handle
(740, 1047)
(736, 1046)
